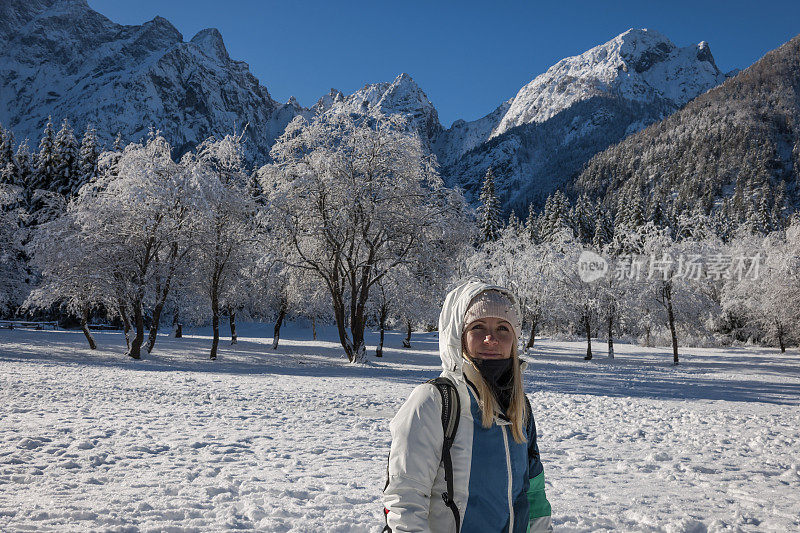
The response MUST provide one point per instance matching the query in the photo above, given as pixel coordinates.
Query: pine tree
(87, 160)
(7, 163)
(67, 168)
(582, 219)
(514, 223)
(656, 213)
(777, 216)
(26, 173)
(556, 215)
(603, 231)
(489, 210)
(531, 225)
(635, 215)
(46, 159)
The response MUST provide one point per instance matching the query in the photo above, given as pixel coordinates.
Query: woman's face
(489, 338)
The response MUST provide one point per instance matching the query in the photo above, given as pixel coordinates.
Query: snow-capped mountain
(578, 107)
(402, 96)
(638, 65)
(61, 58)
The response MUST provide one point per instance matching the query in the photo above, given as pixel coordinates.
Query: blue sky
(467, 56)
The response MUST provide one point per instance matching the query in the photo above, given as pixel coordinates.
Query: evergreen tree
(489, 210)
(656, 212)
(603, 231)
(67, 174)
(531, 225)
(777, 216)
(556, 215)
(7, 163)
(635, 211)
(26, 173)
(46, 159)
(87, 160)
(582, 218)
(514, 223)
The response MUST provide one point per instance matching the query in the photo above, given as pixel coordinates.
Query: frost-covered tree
(46, 159)
(555, 219)
(74, 274)
(25, 175)
(8, 167)
(352, 199)
(12, 263)
(223, 231)
(130, 216)
(583, 219)
(67, 171)
(768, 294)
(682, 277)
(532, 225)
(489, 210)
(87, 158)
(579, 300)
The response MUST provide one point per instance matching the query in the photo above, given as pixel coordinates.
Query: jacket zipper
(508, 469)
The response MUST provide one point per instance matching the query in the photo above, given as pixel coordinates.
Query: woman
(498, 482)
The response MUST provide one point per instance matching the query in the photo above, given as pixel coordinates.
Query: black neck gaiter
(498, 374)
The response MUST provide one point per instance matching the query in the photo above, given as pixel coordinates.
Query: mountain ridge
(64, 59)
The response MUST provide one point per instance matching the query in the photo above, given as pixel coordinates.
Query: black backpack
(451, 411)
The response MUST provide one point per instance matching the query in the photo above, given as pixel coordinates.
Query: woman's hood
(451, 321)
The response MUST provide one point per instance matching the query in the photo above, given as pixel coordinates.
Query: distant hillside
(734, 149)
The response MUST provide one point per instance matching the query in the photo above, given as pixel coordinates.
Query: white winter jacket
(498, 483)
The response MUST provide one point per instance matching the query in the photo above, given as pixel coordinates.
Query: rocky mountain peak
(162, 33)
(327, 101)
(639, 65)
(210, 43)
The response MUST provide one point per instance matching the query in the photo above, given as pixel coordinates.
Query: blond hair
(487, 403)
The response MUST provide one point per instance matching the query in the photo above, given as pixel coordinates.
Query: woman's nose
(490, 339)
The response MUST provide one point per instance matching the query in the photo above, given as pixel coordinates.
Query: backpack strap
(532, 448)
(451, 413)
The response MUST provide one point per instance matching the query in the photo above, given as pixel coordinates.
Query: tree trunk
(344, 339)
(407, 340)
(126, 323)
(135, 349)
(357, 333)
(532, 338)
(780, 337)
(314, 328)
(277, 332)
(611, 335)
(214, 318)
(85, 327)
(232, 319)
(588, 325)
(671, 317)
(340, 317)
(162, 291)
(151, 340)
(384, 312)
(177, 327)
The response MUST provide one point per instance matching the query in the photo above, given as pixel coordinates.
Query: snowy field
(296, 440)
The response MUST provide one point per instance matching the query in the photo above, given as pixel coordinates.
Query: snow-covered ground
(296, 439)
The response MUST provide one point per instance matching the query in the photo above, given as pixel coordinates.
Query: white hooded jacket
(493, 477)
